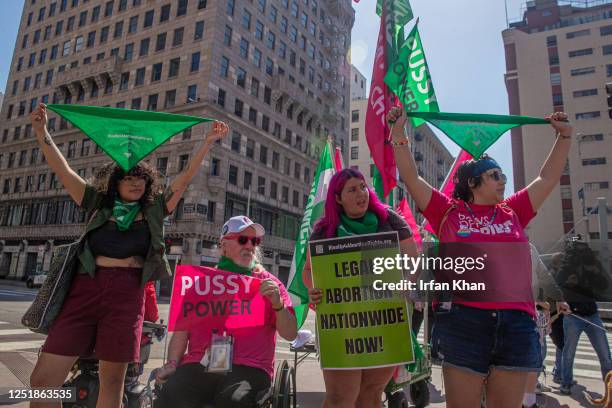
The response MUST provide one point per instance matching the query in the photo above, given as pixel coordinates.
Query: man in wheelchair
(198, 369)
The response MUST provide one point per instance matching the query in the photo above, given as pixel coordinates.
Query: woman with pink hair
(352, 208)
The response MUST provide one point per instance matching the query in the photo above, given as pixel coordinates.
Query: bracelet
(563, 136)
(172, 363)
(404, 142)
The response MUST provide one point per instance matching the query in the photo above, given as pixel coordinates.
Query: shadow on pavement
(310, 399)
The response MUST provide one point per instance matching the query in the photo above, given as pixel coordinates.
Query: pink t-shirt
(254, 346)
(511, 217)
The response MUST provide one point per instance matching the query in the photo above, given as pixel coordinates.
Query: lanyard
(474, 215)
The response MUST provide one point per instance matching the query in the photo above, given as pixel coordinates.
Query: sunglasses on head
(243, 239)
(497, 176)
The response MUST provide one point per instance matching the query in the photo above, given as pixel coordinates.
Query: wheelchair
(281, 394)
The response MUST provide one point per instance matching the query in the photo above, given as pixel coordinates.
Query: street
(19, 348)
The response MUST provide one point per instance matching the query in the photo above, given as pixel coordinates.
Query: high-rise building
(1, 99)
(431, 156)
(559, 58)
(275, 70)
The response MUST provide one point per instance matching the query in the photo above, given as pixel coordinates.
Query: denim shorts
(478, 340)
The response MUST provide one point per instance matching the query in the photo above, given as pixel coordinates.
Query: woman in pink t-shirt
(189, 384)
(489, 344)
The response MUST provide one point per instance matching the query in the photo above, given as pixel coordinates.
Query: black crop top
(108, 241)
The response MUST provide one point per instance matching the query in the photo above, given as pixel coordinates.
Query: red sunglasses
(243, 239)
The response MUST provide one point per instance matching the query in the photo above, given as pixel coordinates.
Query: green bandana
(127, 136)
(475, 133)
(125, 213)
(227, 264)
(348, 226)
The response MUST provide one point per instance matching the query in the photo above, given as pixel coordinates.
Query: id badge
(220, 356)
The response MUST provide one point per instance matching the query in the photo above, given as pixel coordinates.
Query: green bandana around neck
(349, 226)
(226, 264)
(125, 213)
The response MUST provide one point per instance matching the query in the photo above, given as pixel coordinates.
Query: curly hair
(464, 180)
(107, 179)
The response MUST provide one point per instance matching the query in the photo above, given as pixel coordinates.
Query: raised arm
(218, 131)
(553, 166)
(418, 188)
(69, 178)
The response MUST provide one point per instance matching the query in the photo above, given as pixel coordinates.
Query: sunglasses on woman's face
(243, 239)
(497, 176)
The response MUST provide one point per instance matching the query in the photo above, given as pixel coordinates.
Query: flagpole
(507, 21)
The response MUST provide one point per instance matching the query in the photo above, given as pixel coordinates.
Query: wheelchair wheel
(284, 386)
(419, 394)
(397, 400)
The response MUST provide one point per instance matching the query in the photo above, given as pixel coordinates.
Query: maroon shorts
(101, 316)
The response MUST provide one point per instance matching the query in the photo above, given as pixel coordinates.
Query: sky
(462, 41)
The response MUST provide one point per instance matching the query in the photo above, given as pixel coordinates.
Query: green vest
(155, 264)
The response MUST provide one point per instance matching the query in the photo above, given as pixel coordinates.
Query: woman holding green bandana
(122, 251)
(352, 208)
(189, 384)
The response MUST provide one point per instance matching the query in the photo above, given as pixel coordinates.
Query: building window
(177, 38)
(164, 13)
(248, 180)
(230, 7)
(227, 36)
(244, 48)
(144, 46)
(148, 18)
(354, 134)
(183, 160)
(594, 161)
(355, 116)
(240, 77)
(170, 98)
(160, 44)
(192, 93)
(195, 61)
(233, 175)
(576, 34)
(607, 49)
(224, 67)
(605, 30)
(162, 165)
(583, 71)
(173, 71)
(354, 153)
(236, 141)
(221, 97)
(580, 53)
(238, 107)
(199, 31)
(585, 92)
(273, 190)
(156, 72)
(152, 103)
(588, 115)
(250, 148)
(215, 167)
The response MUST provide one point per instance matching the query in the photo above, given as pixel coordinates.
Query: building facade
(559, 58)
(432, 157)
(274, 70)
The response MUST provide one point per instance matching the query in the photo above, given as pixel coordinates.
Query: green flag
(314, 211)
(397, 11)
(127, 136)
(475, 133)
(377, 183)
(409, 78)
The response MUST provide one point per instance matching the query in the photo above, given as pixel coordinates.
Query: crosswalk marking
(20, 345)
(13, 332)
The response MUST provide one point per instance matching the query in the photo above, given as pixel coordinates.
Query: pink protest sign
(207, 297)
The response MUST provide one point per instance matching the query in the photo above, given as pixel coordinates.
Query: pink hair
(330, 220)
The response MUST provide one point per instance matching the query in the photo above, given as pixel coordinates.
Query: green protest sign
(127, 136)
(359, 326)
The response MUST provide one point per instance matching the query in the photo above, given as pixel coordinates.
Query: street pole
(603, 232)
(249, 203)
